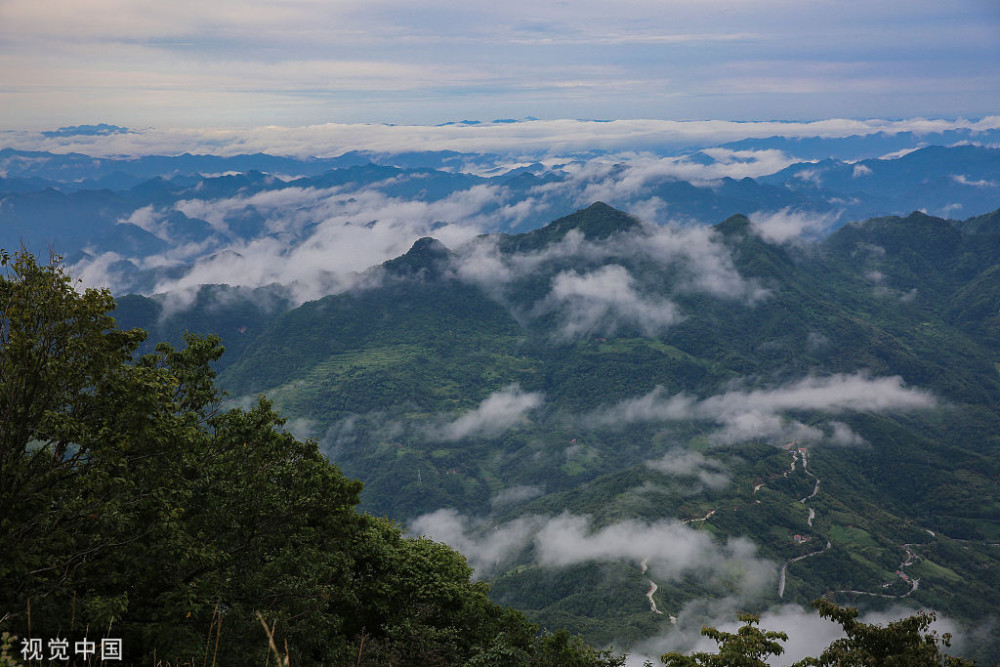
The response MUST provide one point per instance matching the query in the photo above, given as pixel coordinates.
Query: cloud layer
(670, 548)
(759, 414)
(604, 300)
(639, 137)
(498, 412)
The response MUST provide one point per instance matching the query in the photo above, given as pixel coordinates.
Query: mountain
(867, 146)
(613, 419)
(960, 180)
(201, 208)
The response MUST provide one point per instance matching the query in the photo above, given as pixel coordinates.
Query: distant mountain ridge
(141, 224)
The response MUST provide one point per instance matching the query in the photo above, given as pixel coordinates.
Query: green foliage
(6, 646)
(129, 502)
(746, 648)
(903, 643)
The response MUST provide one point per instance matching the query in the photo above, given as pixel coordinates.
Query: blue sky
(229, 64)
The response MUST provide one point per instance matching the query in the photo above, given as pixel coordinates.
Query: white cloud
(671, 548)
(813, 176)
(808, 633)
(788, 225)
(632, 177)
(607, 298)
(497, 413)
(604, 301)
(762, 425)
(965, 180)
(485, 548)
(683, 463)
(545, 137)
(97, 271)
(150, 219)
(515, 495)
(844, 435)
(746, 415)
(319, 241)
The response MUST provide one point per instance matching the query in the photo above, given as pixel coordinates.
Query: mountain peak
(734, 224)
(426, 258)
(428, 247)
(596, 222)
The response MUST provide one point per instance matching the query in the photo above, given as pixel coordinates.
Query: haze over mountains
(639, 391)
(156, 223)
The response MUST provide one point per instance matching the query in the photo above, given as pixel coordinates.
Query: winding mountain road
(812, 515)
(652, 589)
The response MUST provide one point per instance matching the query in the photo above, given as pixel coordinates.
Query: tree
(63, 385)
(747, 648)
(130, 502)
(903, 643)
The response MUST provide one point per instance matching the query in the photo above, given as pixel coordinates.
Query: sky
(293, 63)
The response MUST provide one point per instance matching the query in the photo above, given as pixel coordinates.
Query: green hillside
(628, 389)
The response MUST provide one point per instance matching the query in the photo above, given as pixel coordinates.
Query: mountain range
(156, 223)
(632, 429)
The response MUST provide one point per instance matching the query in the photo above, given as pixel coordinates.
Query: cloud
(789, 225)
(539, 137)
(604, 301)
(757, 414)
(483, 547)
(671, 549)
(302, 428)
(99, 270)
(300, 60)
(682, 463)
(844, 435)
(320, 241)
(633, 177)
(497, 413)
(808, 633)
(965, 180)
(607, 298)
(515, 495)
(150, 219)
(761, 425)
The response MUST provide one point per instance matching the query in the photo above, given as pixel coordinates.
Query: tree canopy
(746, 648)
(132, 505)
(903, 643)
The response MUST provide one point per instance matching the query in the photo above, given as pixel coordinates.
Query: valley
(611, 394)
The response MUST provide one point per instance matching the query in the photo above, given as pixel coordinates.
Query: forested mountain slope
(614, 420)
